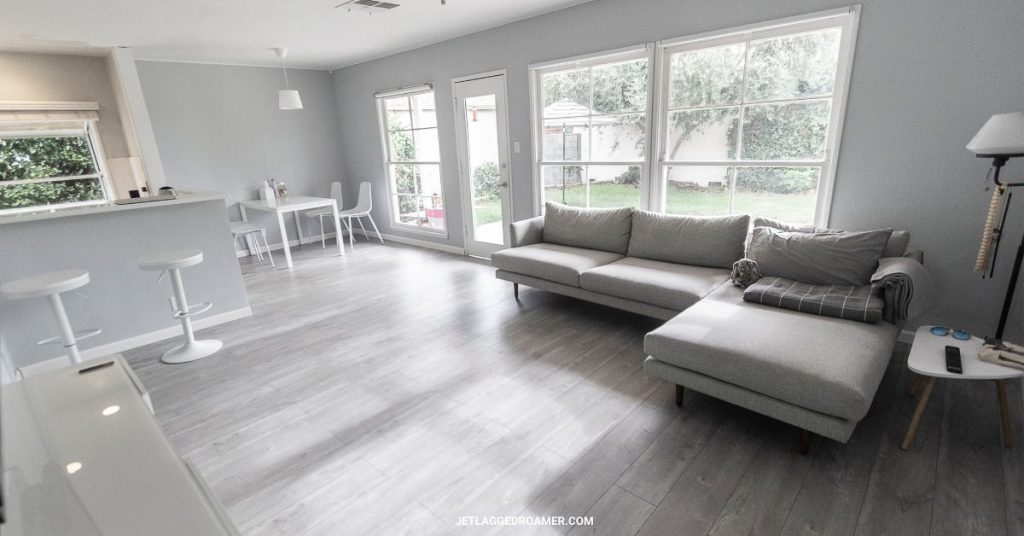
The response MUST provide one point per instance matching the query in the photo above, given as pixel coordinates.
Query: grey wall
(926, 75)
(52, 77)
(218, 128)
(120, 299)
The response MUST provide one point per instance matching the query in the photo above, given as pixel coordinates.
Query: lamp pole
(998, 162)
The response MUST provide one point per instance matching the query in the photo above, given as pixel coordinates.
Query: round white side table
(928, 358)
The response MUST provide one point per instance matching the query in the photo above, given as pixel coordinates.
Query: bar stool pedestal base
(191, 351)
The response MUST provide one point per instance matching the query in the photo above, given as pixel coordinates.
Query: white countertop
(184, 197)
(84, 456)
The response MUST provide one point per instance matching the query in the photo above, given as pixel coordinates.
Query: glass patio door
(482, 132)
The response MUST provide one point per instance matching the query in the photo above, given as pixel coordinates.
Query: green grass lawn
(793, 208)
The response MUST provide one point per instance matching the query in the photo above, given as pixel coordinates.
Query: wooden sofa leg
(805, 442)
(515, 290)
(679, 396)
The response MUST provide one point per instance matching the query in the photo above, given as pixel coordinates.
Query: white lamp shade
(288, 99)
(1002, 134)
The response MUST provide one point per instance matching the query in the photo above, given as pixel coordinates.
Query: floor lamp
(1002, 138)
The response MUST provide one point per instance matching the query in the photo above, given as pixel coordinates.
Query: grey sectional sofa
(815, 372)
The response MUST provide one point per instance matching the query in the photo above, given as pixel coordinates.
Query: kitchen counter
(184, 197)
(128, 304)
(84, 456)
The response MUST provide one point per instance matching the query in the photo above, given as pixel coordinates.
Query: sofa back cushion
(897, 245)
(604, 229)
(716, 242)
(832, 258)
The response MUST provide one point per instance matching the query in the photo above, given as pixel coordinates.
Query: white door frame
(472, 247)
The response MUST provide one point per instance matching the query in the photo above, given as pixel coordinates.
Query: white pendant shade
(1002, 134)
(288, 99)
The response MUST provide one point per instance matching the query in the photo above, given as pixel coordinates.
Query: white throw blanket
(906, 285)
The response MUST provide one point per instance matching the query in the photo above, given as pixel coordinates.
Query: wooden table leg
(918, 412)
(1004, 414)
(915, 383)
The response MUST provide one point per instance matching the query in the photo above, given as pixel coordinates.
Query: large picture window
(48, 166)
(744, 121)
(747, 121)
(593, 124)
(412, 157)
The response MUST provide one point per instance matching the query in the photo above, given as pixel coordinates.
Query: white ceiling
(243, 31)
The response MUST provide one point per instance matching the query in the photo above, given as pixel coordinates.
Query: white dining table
(292, 204)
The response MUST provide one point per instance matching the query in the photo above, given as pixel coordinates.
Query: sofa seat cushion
(554, 262)
(823, 364)
(673, 286)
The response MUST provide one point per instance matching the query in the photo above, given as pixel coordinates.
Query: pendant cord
(286, 86)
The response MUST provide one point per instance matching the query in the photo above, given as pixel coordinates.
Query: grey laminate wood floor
(396, 389)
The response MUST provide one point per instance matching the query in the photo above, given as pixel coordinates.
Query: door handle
(504, 184)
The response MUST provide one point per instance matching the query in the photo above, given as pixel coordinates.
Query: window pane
(620, 87)
(433, 212)
(423, 113)
(617, 137)
(702, 134)
(401, 145)
(426, 145)
(795, 131)
(566, 139)
(614, 186)
(49, 193)
(429, 180)
(697, 190)
(398, 113)
(706, 77)
(566, 93)
(408, 208)
(404, 179)
(788, 194)
(564, 184)
(793, 66)
(43, 158)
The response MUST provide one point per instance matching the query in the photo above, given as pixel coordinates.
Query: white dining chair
(364, 205)
(329, 214)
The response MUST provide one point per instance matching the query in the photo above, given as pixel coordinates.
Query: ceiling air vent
(369, 6)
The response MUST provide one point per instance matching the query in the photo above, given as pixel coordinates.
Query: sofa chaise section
(776, 362)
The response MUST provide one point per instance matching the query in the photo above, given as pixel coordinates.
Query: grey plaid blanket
(863, 304)
(906, 285)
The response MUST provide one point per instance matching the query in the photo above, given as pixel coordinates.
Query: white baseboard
(412, 242)
(369, 234)
(137, 341)
(244, 252)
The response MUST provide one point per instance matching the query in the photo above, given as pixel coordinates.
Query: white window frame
(844, 18)
(652, 184)
(90, 131)
(537, 70)
(379, 101)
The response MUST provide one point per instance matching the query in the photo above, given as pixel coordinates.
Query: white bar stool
(51, 285)
(172, 262)
(252, 235)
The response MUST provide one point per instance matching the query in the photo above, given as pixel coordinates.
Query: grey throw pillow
(834, 258)
(897, 245)
(605, 229)
(716, 242)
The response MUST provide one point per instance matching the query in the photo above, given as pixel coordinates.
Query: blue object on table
(958, 334)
